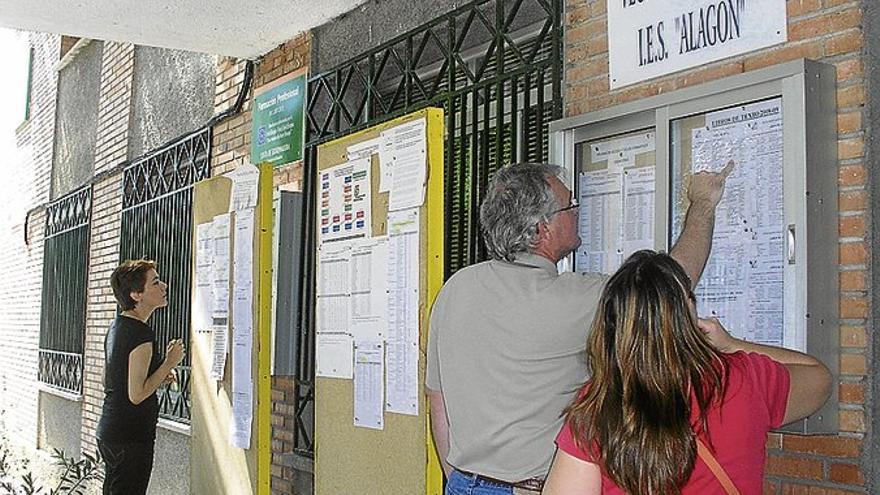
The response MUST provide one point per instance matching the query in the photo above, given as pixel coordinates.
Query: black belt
(534, 484)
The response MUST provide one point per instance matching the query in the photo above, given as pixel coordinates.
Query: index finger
(727, 169)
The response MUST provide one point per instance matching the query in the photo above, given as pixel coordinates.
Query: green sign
(277, 115)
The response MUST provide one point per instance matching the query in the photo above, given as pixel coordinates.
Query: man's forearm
(440, 428)
(691, 250)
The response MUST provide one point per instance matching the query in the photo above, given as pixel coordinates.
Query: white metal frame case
(810, 173)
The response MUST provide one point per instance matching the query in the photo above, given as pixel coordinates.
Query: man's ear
(543, 231)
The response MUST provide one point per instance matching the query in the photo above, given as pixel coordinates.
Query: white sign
(651, 38)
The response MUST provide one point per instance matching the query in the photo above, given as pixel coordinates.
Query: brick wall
(829, 31)
(111, 149)
(26, 189)
(20, 326)
(231, 148)
(100, 305)
(114, 106)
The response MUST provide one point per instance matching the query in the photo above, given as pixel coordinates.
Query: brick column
(111, 150)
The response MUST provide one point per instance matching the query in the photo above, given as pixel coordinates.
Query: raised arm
(692, 248)
(141, 386)
(810, 379)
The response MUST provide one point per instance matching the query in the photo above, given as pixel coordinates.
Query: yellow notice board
(216, 465)
(397, 457)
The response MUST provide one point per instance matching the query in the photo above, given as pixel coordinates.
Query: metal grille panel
(63, 303)
(495, 66)
(157, 224)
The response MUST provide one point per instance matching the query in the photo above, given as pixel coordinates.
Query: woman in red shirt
(666, 384)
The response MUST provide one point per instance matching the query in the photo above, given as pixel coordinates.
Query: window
(65, 278)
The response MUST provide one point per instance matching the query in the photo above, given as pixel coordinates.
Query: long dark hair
(648, 357)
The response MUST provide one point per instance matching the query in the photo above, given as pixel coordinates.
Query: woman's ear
(135, 296)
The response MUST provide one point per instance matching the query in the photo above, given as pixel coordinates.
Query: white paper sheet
(333, 352)
(369, 289)
(386, 161)
(242, 327)
(242, 301)
(743, 281)
(600, 221)
(242, 419)
(364, 149)
(621, 152)
(409, 170)
(245, 179)
(220, 280)
(219, 349)
(345, 202)
(368, 393)
(333, 288)
(402, 350)
(617, 202)
(638, 210)
(203, 298)
(243, 260)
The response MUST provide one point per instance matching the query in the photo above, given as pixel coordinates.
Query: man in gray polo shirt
(506, 344)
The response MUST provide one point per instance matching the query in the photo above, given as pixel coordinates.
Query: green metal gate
(157, 224)
(495, 67)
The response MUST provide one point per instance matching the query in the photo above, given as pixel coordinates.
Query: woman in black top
(133, 371)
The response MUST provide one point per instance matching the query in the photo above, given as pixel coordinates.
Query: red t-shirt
(754, 403)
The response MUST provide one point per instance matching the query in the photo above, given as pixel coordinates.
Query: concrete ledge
(174, 426)
(42, 387)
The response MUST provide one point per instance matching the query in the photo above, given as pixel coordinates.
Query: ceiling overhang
(223, 27)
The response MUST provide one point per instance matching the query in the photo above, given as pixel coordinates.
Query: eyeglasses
(574, 204)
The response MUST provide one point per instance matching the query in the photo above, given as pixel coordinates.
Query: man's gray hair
(518, 198)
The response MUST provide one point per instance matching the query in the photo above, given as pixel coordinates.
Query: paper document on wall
(409, 152)
(402, 346)
(219, 349)
(203, 297)
(243, 259)
(368, 392)
(743, 280)
(333, 288)
(220, 279)
(600, 226)
(242, 419)
(386, 161)
(616, 193)
(638, 210)
(369, 289)
(621, 152)
(245, 179)
(368, 148)
(333, 353)
(242, 328)
(242, 301)
(344, 209)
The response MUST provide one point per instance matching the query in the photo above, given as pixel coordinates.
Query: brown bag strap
(716, 468)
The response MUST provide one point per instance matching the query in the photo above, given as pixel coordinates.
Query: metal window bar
(495, 66)
(157, 224)
(63, 302)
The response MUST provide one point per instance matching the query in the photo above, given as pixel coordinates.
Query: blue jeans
(467, 484)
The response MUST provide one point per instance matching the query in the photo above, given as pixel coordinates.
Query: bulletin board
(614, 184)
(217, 466)
(772, 274)
(399, 457)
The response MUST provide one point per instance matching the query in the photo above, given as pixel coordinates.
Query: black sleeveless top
(122, 421)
